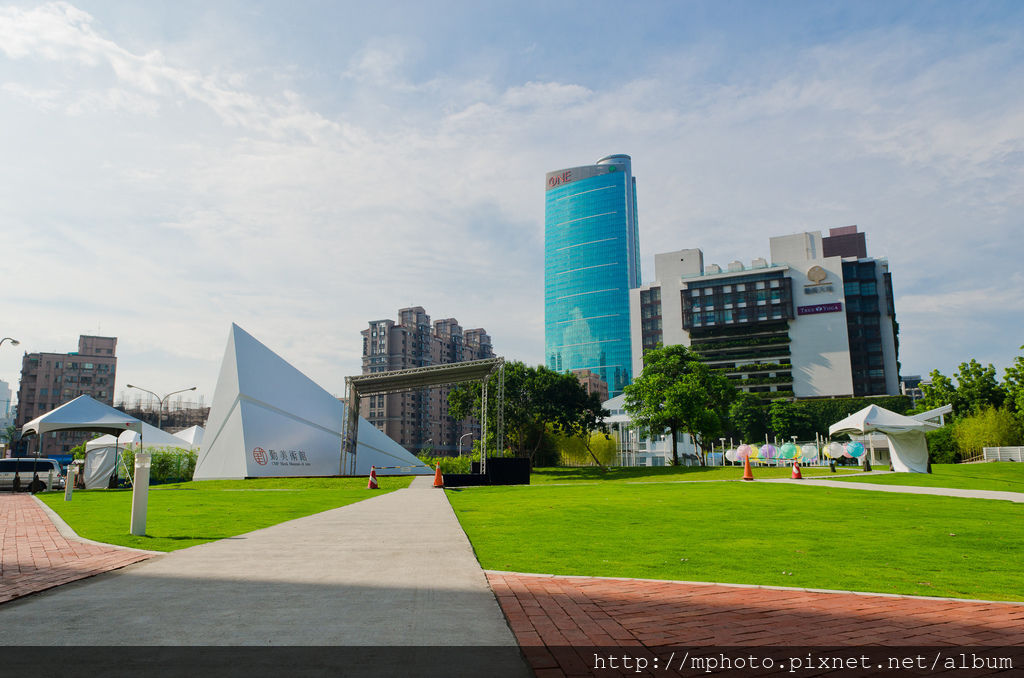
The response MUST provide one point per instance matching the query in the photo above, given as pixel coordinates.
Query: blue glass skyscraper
(591, 261)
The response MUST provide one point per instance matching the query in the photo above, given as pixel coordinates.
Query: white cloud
(149, 191)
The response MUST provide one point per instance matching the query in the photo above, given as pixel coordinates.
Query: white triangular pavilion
(269, 419)
(908, 448)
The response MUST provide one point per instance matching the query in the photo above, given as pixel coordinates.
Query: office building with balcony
(816, 320)
(591, 262)
(49, 380)
(418, 420)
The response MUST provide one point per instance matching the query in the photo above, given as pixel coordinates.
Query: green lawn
(1004, 476)
(750, 533)
(593, 474)
(186, 514)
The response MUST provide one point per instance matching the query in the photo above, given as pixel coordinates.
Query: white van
(25, 468)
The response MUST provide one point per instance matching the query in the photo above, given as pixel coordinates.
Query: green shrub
(573, 451)
(989, 428)
(942, 447)
(451, 464)
(168, 464)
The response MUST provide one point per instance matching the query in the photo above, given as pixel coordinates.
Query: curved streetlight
(14, 342)
(460, 441)
(160, 413)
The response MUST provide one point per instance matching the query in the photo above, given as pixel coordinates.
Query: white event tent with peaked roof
(82, 414)
(87, 414)
(101, 453)
(908, 448)
(269, 419)
(192, 435)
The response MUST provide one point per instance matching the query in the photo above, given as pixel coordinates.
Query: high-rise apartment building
(418, 420)
(817, 320)
(5, 398)
(591, 262)
(49, 380)
(6, 416)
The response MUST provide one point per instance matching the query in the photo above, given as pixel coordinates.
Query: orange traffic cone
(438, 479)
(372, 485)
(747, 475)
(796, 471)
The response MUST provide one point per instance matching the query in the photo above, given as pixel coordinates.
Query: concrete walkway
(1017, 497)
(393, 570)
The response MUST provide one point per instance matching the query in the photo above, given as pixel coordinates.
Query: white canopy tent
(82, 414)
(907, 445)
(101, 453)
(85, 414)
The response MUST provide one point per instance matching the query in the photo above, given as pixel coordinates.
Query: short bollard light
(49, 480)
(70, 485)
(140, 493)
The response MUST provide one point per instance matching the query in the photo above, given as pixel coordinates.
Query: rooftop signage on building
(567, 176)
(819, 281)
(819, 308)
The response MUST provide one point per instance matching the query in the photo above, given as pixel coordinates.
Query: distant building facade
(591, 262)
(6, 410)
(910, 385)
(593, 383)
(49, 380)
(418, 420)
(178, 413)
(818, 320)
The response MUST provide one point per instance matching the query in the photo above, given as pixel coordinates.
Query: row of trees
(550, 416)
(987, 412)
(975, 388)
(547, 412)
(677, 392)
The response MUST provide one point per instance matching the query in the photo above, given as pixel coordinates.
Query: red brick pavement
(35, 557)
(548, 614)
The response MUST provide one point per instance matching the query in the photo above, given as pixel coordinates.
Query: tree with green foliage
(678, 392)
(991, 427)
(599, 449)
(975, 390)
(939, 390)
(942, 447)
(535, 398)
(787, 419)
(1013, 386)
(747, 414)
(585, 420)
(11, 434)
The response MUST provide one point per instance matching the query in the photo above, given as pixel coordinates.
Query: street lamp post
(460, 441)
(160, 413)
(14, 342)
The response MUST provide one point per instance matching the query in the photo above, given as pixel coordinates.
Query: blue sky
(302, 168)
